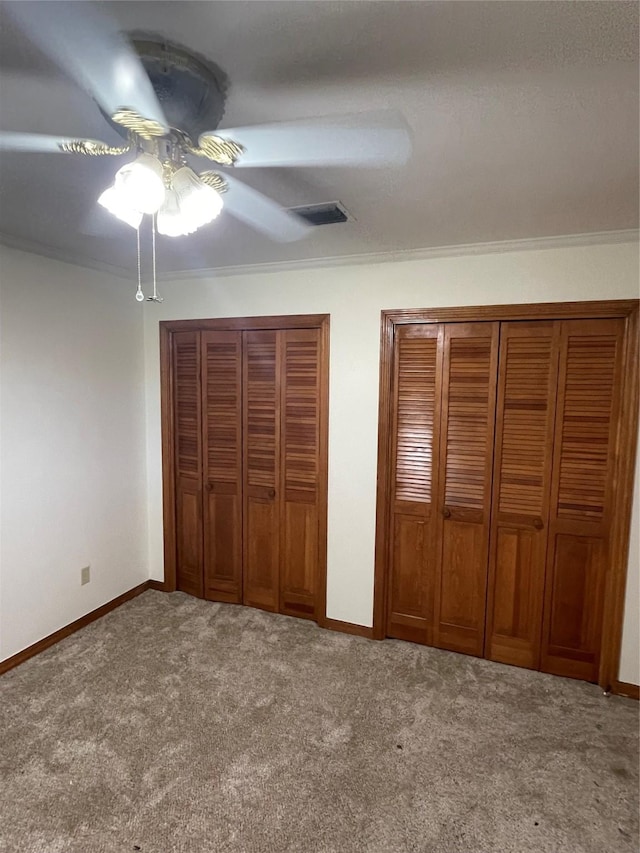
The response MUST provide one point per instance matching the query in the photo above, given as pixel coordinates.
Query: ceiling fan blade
(262, 213)
(362, 139)
(42, 143)
(87, 44)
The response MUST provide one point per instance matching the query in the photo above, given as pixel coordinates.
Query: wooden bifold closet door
(282, 469)
(188, 461)
(249, 467)
(222, 464)
(582, 495)
(525, 418)
(558, 403)
(503, 443)
(443, 443)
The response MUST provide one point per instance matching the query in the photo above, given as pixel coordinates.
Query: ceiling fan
(166, 104)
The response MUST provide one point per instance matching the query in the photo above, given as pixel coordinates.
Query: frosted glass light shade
(188, 204)
(113, 201)
(170, 221)
(141, 183)
(199, 203)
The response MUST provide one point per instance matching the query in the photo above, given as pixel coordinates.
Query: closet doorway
(244, 441)
(506, 458)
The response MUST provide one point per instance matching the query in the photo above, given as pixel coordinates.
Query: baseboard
(160, 586)
(623, 688)
(347, 628)
(61, 633)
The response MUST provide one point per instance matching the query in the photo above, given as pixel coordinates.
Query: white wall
(72, 457)
(630, 656)
(354, 296)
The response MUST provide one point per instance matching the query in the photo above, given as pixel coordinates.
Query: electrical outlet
(85, 575)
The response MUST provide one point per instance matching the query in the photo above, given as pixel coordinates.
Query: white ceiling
(524, 118)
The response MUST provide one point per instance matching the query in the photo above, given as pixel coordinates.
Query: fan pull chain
(139, 293)
(155, 297)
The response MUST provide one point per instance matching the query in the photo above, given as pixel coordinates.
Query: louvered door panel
(466, 458)
(222, 443)
(521, 487)
(415, 425)
(261, 440)
(188, 461)
(581, 495)
(300, 425)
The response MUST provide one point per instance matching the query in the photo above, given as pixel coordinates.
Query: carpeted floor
(174, 724)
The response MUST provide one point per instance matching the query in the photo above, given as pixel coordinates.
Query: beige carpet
(178, 725)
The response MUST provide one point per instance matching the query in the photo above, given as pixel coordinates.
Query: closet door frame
(625, 449)
(167, 329)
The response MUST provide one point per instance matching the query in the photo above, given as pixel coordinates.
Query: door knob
(271, 493)
(446, 512)
(538, 523)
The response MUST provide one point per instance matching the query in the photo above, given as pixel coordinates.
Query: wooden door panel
(222, 457)
(300, 559)
(188, 461)
(415, 431)
(525, 413)
(574, 621)
(261, 452)
(411, 582)
(300, 466)
(189, 537)
(223, 544)
(261, 580)
(587, 414)
(516, 599)
(466, 453)
(462, 586)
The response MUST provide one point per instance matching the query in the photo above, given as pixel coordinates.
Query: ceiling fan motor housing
(191, 89)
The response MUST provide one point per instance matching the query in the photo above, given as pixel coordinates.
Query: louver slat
(222, 424)
(415, 409)
(586, 423)
(261, 409)
(187, 403)
(470, 389)
(301, 414)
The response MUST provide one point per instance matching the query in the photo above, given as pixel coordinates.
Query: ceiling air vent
(326, 213)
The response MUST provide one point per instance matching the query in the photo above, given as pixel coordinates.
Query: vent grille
(326, 213)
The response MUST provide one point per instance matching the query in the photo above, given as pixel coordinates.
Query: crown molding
(33, 247)
(630, 235)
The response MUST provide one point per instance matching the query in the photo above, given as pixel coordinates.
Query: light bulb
(198, 203)
(113, 201)
(139, 296)
(141, 183)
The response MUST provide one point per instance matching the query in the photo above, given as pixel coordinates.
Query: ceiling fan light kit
(174, 191)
